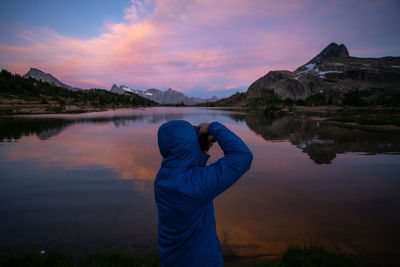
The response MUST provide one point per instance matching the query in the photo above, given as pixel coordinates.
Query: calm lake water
(85, 181)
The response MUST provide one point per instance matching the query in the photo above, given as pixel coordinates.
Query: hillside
(332, 77)
(29, 96)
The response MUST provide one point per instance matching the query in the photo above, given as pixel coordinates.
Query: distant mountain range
(163, 97)
(331, 77)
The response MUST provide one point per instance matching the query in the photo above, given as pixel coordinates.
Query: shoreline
(51, 109)
(379, 128)
(39, 109)
(17, 109)
(331, 121)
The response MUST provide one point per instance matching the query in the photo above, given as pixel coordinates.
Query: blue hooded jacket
(184, 190)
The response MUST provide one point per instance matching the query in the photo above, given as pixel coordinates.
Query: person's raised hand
(204, 127)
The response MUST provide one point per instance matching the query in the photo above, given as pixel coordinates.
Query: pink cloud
(178, 44)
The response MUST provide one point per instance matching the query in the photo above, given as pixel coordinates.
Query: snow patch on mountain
(322, 73)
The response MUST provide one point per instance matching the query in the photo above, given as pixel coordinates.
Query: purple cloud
(207, 44)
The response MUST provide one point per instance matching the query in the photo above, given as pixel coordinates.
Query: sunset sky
(199, 47)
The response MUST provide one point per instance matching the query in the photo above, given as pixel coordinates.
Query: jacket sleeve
(210, 181)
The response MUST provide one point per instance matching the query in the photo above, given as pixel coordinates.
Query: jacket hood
(179, 145)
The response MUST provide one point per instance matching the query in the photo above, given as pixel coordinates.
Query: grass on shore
(299, 256)
(314, 255)
(98, 259)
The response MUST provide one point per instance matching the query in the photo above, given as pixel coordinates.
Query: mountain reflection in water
(320, 141)
(86, 180)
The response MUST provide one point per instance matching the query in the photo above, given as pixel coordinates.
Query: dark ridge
(332, 50)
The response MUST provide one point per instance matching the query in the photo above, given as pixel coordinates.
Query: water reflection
(48, 125)
(321, 141)
(87, 180)
(15, 128)
(130, 153)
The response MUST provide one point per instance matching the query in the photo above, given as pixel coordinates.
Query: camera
(205, 140)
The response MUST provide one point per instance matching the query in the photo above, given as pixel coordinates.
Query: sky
(198, 47)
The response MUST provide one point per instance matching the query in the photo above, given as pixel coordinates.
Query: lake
(85, 181)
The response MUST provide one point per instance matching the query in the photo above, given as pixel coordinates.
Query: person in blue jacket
(185, 187)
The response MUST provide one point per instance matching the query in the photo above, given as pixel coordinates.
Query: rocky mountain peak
(34, 73)
(332, 50)
(116, 89)
(46, 77)
(32, 70)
